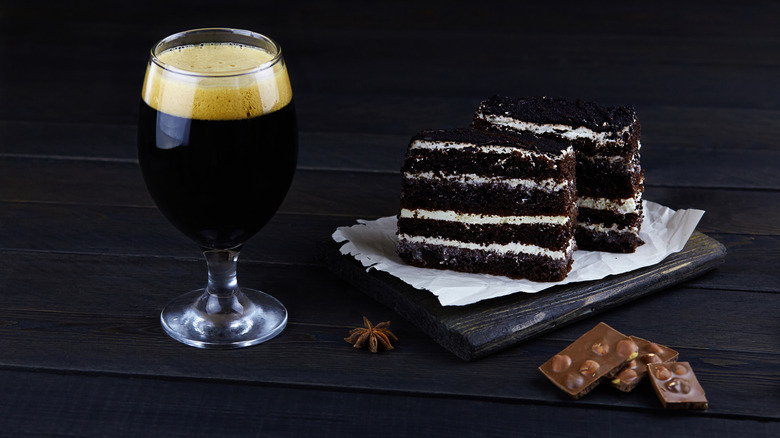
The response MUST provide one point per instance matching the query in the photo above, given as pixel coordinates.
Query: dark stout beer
(219, 165)
(218, 181)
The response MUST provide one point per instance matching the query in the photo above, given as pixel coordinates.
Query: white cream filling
(611, 158)
(481, 219)
(470, 178)
(623, 206)
(495, 149)
(510, 248)
(600, 228)
(564, 131)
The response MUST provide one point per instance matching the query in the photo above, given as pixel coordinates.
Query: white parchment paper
(373, 243)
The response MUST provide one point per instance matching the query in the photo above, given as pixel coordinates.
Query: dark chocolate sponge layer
(465, 161)
(550, 110)
(535, 268)
(485, 198)
(626, 146)
(605, 180)
(609, 218)
(612, 242)
(552, 237)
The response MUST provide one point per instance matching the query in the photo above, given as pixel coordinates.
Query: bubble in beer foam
(215, 58)
(224, 83)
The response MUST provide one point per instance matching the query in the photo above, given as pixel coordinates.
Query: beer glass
(218, 145)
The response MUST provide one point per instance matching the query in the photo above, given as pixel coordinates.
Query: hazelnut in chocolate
(634, 372)
(676, 385)
(600, 353)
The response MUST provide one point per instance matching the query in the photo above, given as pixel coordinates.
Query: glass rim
(277, 56)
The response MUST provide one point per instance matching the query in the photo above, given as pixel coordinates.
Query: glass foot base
(203, 320)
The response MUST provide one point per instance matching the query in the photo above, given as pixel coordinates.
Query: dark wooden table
(87, 261)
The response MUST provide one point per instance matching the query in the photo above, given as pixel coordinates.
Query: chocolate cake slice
(477, 202)
(610, 179)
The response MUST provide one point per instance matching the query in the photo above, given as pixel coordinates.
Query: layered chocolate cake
(476, 202)
(610, 180)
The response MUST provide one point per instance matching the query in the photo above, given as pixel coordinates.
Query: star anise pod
(375, 335)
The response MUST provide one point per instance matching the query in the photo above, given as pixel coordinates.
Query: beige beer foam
(221, 85)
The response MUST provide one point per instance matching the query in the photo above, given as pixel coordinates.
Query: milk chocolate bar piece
(677, 386)
(600, 353)
(634, 372)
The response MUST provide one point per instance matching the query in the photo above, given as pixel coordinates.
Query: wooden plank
(88, 262)
(688, 87)
(751, 264)
(133, 231)
(491, 17)
(316, 356)
(665, 167)
(587, 66)
(68, 140)
(124, 286)
(689, 134)
(573, 19)
(121, 184)
(420, 40)
(477, 330)
(96, 141)
(727, 211)
(603, 81)
(288, 238)
(350, 194)
(643, 40)
(703, 129)
(676, 124)
(588, 71)
(98, 403)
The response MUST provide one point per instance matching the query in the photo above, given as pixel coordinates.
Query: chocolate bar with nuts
(598, 354)
(676, 385)
(634, 372)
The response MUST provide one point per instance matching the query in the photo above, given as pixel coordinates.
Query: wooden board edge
(701, 254)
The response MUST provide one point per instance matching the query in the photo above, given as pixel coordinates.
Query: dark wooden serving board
(479, 329)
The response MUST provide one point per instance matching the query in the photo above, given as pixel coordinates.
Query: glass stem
(222, 289)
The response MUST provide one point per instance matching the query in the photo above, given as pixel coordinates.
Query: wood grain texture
(88, 262)
(308, 356)
(112, 406)
(105, 286)
(477, 330)
(348, 193)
